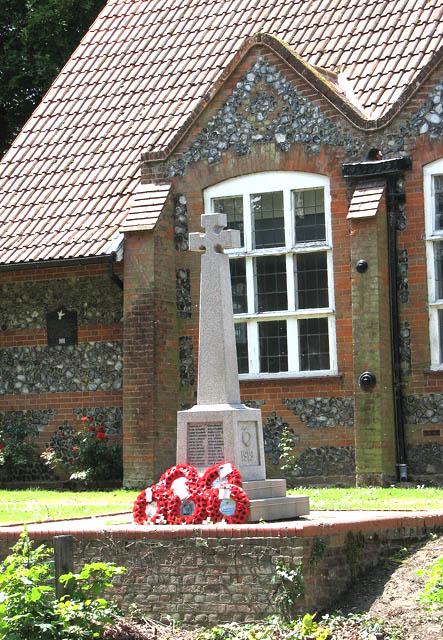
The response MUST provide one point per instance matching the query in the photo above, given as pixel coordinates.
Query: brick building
(319, 132)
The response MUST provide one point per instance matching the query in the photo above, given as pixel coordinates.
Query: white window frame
(286, 181)
(433, 235)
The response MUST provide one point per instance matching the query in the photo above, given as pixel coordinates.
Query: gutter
(108, 259)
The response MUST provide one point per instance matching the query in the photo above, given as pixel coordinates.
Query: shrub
(29, 608)
(85, 455)
(17, 445)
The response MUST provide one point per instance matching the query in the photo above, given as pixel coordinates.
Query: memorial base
(269, 501)
(207, 434)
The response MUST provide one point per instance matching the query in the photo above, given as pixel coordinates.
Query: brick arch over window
(282, 276)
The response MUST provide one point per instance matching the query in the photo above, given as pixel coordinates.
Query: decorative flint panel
(89, 366)
(423, 409)
(37, 418)
(405, 348)
(327, 461)
(183, 293)
(272, 430)
(425, 458)
(110, 417)
(264, 107)
(402, 277)
(24, 305)
(181, 230)
(186, 359)
(323, 412)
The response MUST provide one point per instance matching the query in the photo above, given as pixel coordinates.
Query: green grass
(373, 498)
(33, 505)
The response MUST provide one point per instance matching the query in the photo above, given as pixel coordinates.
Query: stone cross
(217, 361)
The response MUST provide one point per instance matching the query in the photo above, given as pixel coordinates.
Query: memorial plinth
(208, 434)
(219, 427)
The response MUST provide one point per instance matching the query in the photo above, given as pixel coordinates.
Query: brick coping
(320, 523)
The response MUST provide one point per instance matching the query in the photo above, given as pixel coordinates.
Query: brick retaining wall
(209, 574)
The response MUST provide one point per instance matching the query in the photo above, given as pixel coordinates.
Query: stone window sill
(309, 375)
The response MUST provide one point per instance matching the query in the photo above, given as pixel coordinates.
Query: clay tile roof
(146, 206)
(366, 200)
(141, 71)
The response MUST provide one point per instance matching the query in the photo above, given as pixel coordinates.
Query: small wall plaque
(62, 327)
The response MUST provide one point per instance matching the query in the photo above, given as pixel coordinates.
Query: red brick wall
(63, 403)
(266, 157)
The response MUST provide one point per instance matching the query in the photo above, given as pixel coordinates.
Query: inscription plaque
(248, 440)
(205, 444)
(62, 327)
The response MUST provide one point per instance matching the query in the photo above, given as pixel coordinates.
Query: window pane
(273, 346)
(241, 340)
(309, 210)
(438, 257)
(438, 199)
(268, 225)
(311, 280)
(238, 285)
(233, 207)
(271, 293)
(314, 344)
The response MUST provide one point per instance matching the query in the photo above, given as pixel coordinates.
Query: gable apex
(264, 106)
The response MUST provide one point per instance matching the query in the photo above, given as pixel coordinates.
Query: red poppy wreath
(181, 470)
(187, 507)
(220, 474)
(228, 503)
(151, 505)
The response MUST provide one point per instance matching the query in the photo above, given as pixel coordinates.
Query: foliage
(26, 594)
(432, 596)
(62, 452)
(29, 608)
(400, 555)
(17, 445)
(36, 39)
(361, 625)
(288, 463)
(271, 629)
(87, 455)
(353, 549)
(318, 550)
(289, 587)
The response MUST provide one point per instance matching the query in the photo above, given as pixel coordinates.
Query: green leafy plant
(432, 596)
(30, 609)
(317, 550)
(289, 587)
(354, 548)
(300, 628)
(62, 452)
(400, 555)
(361, 625)
(87, 455)
(288, 462)
(17, 445)
(311, 629)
